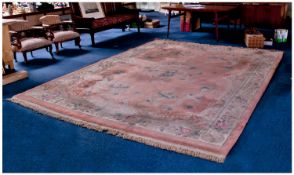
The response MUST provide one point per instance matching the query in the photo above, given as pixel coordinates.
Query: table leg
(168, 24)
(11, 65)
(185, 22)
(3, 68)
(216, 25)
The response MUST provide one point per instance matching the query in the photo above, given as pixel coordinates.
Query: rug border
(125, 135)
(228, 145)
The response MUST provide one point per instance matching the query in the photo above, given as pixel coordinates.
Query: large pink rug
(190, 98)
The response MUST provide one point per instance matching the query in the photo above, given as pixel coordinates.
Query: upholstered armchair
(59, 31)
(27, 39)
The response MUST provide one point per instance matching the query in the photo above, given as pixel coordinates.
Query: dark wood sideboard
(264, 15)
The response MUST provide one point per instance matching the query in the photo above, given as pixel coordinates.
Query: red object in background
(182, 24)
(187, 26)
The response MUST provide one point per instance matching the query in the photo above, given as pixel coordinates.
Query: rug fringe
(115, 132)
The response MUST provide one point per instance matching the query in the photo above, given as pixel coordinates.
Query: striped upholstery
(20, 26)
(50, 19)
(34, 20)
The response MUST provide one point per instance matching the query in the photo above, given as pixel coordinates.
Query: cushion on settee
(103, 22)
(112, 20)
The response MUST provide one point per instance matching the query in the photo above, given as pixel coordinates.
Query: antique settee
(116, 15)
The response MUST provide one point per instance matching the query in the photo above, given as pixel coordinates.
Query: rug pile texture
(190, 98)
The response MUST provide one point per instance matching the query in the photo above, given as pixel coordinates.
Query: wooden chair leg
(78, 42)
(61, 45)
(92, 38)
(50, 51)
(56, 47)
(138, 25)
(25, 57)
(14, 56)
(123, 27)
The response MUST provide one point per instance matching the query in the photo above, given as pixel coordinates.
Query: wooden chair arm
(48, 32)
(16, 39)
(35, 31)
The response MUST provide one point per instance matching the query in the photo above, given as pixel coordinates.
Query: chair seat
(28, 44)
(61, 36)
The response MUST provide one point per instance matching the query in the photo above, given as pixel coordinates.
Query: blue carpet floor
(33, 142)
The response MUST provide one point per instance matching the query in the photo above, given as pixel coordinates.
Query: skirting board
(13, 77)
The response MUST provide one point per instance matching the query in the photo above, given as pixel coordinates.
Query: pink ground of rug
(186, 97)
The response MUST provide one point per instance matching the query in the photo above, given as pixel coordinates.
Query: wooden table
(7, 55)
(212, 9)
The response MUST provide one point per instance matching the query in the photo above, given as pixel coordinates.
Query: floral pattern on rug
(184, 90)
